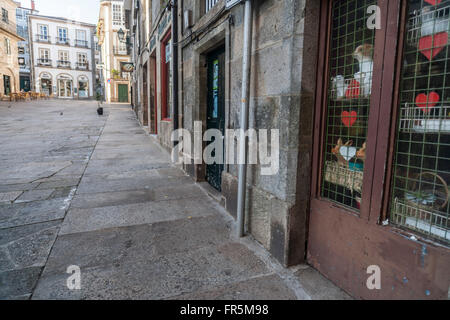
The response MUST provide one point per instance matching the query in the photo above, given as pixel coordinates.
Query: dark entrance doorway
(25, 83)
(123, 92)
(7, 84)
(145, 95)
(153, 126)
(215, 108)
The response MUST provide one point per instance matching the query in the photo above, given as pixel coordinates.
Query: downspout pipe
(246, 69)
(174, 11)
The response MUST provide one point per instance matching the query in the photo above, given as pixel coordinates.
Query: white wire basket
(427, 22)
(414, 119)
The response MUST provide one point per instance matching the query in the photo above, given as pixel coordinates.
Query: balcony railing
(63, 64)
(44, 62)
(82, 65)
(42, 38)
(81, 43)
(63, 41)
(120, 51)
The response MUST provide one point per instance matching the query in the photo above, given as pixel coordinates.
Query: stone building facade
(114, 51)
(276, 205)
(25, 65)
(321, 74)
(9, 64)
(62, 55)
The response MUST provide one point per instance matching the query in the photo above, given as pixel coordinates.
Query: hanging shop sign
(127, 66)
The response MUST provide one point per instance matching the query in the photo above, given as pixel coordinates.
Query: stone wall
(282, 97)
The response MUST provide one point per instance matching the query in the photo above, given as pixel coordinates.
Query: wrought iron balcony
(82, 43)
(82, 65)
(63, 64)
(63, 41)
(44, 62)
(42, 38)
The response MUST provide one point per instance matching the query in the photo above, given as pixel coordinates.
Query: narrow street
(99, 193)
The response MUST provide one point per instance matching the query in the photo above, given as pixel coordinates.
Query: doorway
(145, 96)
(215, 115)
(153, 127)
(25, 84)
(123, 92)
(65, 88)
(46, 86)
(7, 84)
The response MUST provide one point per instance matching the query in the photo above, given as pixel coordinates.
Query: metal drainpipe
(246, 68)
(175, 63)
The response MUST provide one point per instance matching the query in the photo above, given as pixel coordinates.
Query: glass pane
(215, 112)
(422, 156)
(347, 113)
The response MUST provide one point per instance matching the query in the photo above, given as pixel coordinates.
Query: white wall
(54, 52)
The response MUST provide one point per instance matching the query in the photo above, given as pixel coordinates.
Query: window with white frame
(117, 13)
(44, 53)
(43, 32)
(81, 39)
(63, 55)
(82, 62)
(82, 58)
(44, 56)
(62, 35)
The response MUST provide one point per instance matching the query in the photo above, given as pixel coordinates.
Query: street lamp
(121, 35)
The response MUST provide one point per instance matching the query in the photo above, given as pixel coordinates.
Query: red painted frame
(342, 243)
(164, 75)
(155, 95)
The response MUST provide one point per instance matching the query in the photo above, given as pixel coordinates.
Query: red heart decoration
(433, 2)
(430, 48)
(352, 90)
(426, 102)
(349, 118)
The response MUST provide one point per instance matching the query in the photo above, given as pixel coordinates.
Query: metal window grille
(422, 157)
(348, 102)
(209, 4)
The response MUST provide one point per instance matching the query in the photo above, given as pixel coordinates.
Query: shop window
(348, 102)
(385, 93)
(421, 174)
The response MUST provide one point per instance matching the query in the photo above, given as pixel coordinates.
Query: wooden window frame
(383, 105)
(164, 75)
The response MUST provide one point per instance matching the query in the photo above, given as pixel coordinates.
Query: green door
(6, 84)
(216, 109)
(123, 92)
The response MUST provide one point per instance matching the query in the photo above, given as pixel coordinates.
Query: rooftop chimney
(33, 6)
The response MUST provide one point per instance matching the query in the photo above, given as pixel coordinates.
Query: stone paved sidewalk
(101, 194)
